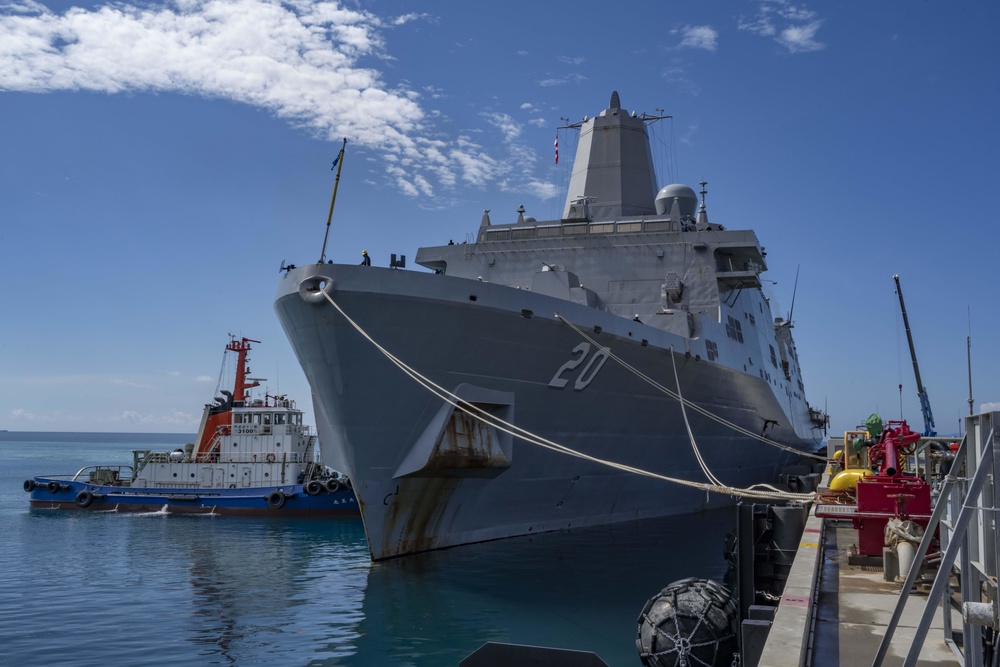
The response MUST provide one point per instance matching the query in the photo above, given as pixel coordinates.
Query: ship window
(734, 329)
(774, 359)
(279, 419)
(497, 234)
(574, 229)
(551, 230)
(523, 233)
(602, 228)
(629, 227)
(661, 226)
(256, 418)
(712, 350)
(267, 419)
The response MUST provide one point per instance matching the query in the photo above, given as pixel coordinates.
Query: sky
(159, 162)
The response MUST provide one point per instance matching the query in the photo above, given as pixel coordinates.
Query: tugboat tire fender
(332, 485)
(84, 498)
(53, 487)
(276, 499)
(314, 488)
(29, 485)
(312, 289)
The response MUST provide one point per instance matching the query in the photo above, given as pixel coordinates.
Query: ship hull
(287, 501)
(421, 486)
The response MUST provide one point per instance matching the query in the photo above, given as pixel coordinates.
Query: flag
(335, 161)
(557, 149)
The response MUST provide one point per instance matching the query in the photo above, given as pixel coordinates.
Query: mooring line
(512, 429)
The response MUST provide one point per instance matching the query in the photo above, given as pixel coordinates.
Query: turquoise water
(83, 588)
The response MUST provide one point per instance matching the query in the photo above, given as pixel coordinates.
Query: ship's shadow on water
(580, 589)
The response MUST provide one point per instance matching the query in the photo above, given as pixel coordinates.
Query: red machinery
(888, 494)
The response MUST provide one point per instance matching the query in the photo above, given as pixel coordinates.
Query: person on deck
(365, 259)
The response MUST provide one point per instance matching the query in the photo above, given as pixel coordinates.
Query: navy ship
(520, 383)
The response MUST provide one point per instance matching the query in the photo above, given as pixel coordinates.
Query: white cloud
(676, 74)
(989, 407)
(406, 18)
(21, 413)
(699, 37)
(792, 26)
(799, 39)
(571, 60)
(204, 378)
(298, 59)
(561, 81)
(510, 129)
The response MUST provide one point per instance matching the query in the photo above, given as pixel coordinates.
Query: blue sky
(159, 161)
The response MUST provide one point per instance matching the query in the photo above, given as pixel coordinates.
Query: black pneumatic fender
(314, 488)
(29, 485)
(332, 485)
(53, 487)
(276, 499)
(84, 498)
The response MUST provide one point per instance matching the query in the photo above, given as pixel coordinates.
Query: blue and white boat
(252, 457)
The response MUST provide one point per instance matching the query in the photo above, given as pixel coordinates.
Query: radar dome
(686, 199)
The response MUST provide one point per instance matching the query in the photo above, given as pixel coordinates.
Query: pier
(840, 607)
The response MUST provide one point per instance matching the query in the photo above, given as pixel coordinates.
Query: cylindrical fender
(332, 485)
(53, 487)
(314, 488)
(29, 485)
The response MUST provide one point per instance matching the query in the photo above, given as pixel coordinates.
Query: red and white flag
(557, 149)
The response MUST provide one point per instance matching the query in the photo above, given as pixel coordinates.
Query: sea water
(108, 588)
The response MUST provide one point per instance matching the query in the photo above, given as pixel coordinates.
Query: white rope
(697, 408)
(518, 432)
(694, 445)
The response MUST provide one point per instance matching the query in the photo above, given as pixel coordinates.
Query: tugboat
(252, 457)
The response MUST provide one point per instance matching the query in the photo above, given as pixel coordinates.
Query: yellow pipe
(848, 479)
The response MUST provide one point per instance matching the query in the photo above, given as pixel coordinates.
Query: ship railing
(105, 475)
(583, 228)
(253, 458)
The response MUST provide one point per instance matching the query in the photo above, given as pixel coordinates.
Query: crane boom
(925, 403)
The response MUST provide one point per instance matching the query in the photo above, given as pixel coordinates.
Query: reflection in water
(581, 589)
(165, 590)
(288, 590)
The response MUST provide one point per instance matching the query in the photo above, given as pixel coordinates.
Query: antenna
(794, 290)
(968, 355)
(339, 161)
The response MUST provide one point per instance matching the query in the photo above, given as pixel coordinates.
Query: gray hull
(427, 479)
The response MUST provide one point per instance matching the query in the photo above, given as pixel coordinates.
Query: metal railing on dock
(970, 543)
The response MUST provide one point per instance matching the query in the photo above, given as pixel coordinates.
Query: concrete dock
(834, 613)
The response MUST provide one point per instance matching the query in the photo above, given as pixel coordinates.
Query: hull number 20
(580, 354)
